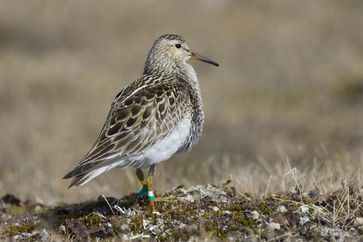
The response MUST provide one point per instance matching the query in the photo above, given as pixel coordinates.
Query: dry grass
(286, 101)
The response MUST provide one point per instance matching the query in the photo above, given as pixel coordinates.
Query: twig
(103, 196)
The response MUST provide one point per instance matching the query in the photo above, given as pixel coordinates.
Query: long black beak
(203, 58)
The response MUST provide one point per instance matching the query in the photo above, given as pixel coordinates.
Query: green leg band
(142, 192)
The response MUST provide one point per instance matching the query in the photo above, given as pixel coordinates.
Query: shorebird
(158, 115)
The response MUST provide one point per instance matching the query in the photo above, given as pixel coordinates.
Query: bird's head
(172, 50)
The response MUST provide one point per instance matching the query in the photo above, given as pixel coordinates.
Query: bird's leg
(150, 186)
(143, 181)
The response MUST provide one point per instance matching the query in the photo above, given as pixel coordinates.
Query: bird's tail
(81, 179)
(85, 172)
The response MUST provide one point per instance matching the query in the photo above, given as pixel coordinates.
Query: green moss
(235, 208)
(212, 226)
(264, 209)
(92, 220)
(15, 229)
(135, 224)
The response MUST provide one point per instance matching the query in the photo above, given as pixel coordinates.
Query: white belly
(160, 151)
(165, 148)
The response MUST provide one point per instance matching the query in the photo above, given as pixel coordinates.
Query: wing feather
(134, 123)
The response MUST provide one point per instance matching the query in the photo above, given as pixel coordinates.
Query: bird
(157, 116)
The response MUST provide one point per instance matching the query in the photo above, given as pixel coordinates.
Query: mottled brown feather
(135, 123)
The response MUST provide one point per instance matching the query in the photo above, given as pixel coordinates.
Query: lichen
(16, 229)
(264, 209)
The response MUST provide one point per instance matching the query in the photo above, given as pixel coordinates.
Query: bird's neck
(182, 71)
(187, 72)
(188, 75)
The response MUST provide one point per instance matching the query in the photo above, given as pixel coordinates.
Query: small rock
(156, 213)
(336, 233)
(62, 229)
(160, 222)
(304, 220)
(358, 221)
(205, 192)
(18, 237)
(255, 215)
(153, 229)
(187, 198)
(227, 212)
(215, 208)
(282, 209)
(124, 227)
(44, 235)
(26, 235)
(304, 209)
(274, 226)
(293, 190)
(325, 232)
(233, 235)
(145, 223)
(181, 189)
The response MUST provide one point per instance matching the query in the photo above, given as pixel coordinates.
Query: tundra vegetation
(283, 120)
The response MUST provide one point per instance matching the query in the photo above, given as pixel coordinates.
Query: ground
(199, 212)
(283, 121)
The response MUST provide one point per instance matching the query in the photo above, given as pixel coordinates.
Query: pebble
(304, 220)
(281, 209)
(274, 226)
(358, 221)
(62, 229)
(145, 223)
(227, 212)
(255, 215)
(215, 208)
(44, 234)
(304, 209)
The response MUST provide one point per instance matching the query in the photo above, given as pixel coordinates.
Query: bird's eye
(178, 46)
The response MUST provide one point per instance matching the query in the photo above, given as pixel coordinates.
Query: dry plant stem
(108, 204)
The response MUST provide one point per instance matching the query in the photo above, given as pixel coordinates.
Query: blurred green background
(288, 93)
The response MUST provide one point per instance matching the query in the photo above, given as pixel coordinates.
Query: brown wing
(136, 123)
